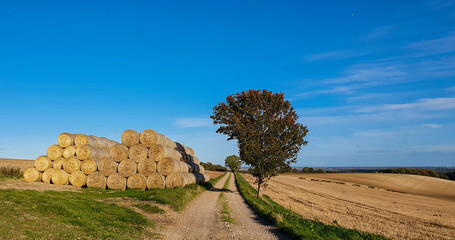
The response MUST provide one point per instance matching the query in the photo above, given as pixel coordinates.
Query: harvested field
(367, 207)
(22, 164)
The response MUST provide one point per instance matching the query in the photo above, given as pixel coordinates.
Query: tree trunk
(259, 190)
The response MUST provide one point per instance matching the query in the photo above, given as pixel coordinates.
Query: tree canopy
(266, 129)
(233, 162)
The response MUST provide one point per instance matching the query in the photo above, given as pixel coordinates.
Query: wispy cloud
(451, 89)
(335, 55)
(432, 148)
(377, 33)
(428, 104)
(193, 122)
(434, 46)
(430, 125)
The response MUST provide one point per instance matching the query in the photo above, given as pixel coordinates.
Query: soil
(22, 164)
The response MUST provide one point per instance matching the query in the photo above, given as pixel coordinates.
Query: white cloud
(377, 33)
(340, 54)
(451, 89)
(432, 148)
(427, 104)
(430, 125)
(435, 46)
(193, 122)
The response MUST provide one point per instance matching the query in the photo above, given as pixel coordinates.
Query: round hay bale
(127, 168)
(189, 151)
(130, 138)
(60, 177)
(78, 179)
(155, 180)
(137, 152)
(202, 177)
(87, 151)
(88, 166)
(169, 165)
(58, 164)
(42, 163)
(196, 160)
(159, 152)
(196, 168)
(96, 180)
(146, 167)
(107, 167)
(47, 175)
(32, 175)
(82, 139)
(137, 181)
(66, 139)
(149, 137)
(106, 143)
(72, 164)
(54, 152)
(116, 181)
(179, 179)
(69, 151)
(118, 152)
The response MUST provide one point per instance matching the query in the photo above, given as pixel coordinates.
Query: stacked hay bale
(143, 161)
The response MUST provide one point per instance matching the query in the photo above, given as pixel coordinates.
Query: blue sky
(373, 81)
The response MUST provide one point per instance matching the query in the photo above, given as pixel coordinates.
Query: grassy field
(86, 214)
(292, 224)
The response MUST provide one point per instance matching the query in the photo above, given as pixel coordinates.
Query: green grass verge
(225, 211)
(291, 224)
(88, 214)
(149, 208)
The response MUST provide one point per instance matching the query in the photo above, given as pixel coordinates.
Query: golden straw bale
(86, 151)
(137, 181)
(78, 179)
(137, 152)
(60, 177)
(47, 175)
(155, 180)
(88, 166)
(118, 152)
(106, 143)
(96, 180)
(32, 175)
(58, 164)
(72, 164)
(69, 151)
(107, 167)
(149, 137)
(54, 152)
(127, 168)
(159, 152)
(189, 151)
(196, 160)
(179, 179)
(146, 167)
(42, 163)
(169, 165)
(130, 138)
(66, 139)
(82, 139)
(116, 181)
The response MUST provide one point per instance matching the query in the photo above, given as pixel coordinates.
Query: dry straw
(179, 179)
(60, 177)
(66, 139)
(106, 143)
(88, 166)
(137, 152)
(159, 152)
(96, 180)
(107, 167)
(169, 165)
(118, 152)
(47, 175)
(42, 163)
(58, 164)
(78, 179)
(87, 151)
(116, 181)
(69, 151)
(32, 175)
(137, 181)
(146, 167)
(72, 164)
(82, 139)
(130, 138)
(54, 152)
(127, 168)
(155, 180)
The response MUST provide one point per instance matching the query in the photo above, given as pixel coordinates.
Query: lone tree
(266, 129)
(233, 162)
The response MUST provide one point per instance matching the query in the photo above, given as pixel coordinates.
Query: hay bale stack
(54, 152)
(69, 151)
(87, 151)
(118, 152)
(159, 152)
(47, 175)
(60, 177)
(116, 181)
(96, 180)
(72, 164)
(137, 181)
(77, 179)
(89, 166)
(202, 177)
(146, 167)
(155, 180)
(66, 139)
(169, 165)
(58, 164)
(107, 167)
(130, 138)
(42, 163)
(137, 152)
(32, 175)
(127, 168)
(179, 179)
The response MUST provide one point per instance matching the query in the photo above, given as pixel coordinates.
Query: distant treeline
(424, 172)
(306, 170)
(212, 167)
